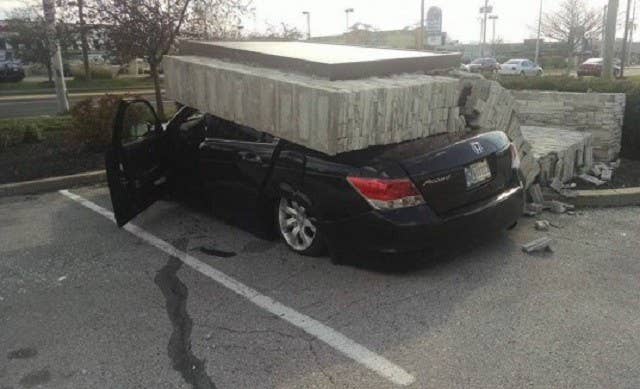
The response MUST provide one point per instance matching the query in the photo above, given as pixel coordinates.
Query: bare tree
(216, 19)
(573, 23)
(282, 32)
(144, 29)
(81, 15)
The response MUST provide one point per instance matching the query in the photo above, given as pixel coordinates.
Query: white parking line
(338, 341)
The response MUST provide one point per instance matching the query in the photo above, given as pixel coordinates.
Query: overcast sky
(460, 17)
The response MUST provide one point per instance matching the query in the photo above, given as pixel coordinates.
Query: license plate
(477, 173)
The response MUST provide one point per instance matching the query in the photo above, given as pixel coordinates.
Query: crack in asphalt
(179, 348)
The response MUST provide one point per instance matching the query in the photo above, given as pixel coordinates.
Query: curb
(52, 184)
(606, 197)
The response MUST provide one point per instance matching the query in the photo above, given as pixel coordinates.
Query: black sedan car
(385, 199)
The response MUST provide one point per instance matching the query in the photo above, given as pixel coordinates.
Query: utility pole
(308, 23)
(624, 41)
(633, 29)
(49, 9)
(610, 39)
(421, 34)
(537, 56)
(493, 35)
(486, 10)
(347, 12)
(604, 31)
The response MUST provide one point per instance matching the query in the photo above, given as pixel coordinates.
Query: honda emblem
(477, 147)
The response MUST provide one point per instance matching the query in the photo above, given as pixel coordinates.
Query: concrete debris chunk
(607, 174)
(558, 207)
(542, 225)
(591, 179)
(541, 244)
(571, 185)
(533, 209)
(556, 184)
(535, 191)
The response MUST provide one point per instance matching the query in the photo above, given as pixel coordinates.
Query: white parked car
(521, 67)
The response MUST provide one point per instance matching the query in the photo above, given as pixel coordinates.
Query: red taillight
(515, 158)
(387, 193)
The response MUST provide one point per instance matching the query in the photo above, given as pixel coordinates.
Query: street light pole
(493, 36)
(485, 11)
(537, 56)
(49, 8)
(421, 37)
(347, 12)
(308, 23)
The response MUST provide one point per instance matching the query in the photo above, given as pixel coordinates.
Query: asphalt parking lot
(181, 299)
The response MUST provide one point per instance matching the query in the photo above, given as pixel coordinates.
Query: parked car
(11, 71)
(593, 67)
(520, 67)
(483, 65)
(392, 198)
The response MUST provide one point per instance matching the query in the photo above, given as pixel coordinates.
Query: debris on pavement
(591, 179)
(60, 279)
(542, 225)
(607, 174)
(533, 209)
(540, 244)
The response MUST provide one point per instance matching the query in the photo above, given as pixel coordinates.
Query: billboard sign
(434, 21)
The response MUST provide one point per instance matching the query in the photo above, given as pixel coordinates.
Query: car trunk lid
(449, 177)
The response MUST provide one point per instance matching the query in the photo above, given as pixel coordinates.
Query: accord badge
(436, 180)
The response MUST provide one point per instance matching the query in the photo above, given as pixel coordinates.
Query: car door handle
(249, 156)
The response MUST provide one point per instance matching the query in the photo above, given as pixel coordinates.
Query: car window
(218, 128)
(513, 62)
(477, 61)
(138, 122)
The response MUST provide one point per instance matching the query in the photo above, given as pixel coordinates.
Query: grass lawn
(24, 87)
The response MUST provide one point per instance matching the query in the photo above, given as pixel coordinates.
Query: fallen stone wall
(600, 114)
(487, 106)
(328, 116)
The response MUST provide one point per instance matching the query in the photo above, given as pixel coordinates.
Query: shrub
(97, 72)
(13, 131)
(631, 126)
(32, 134)
(93, 120)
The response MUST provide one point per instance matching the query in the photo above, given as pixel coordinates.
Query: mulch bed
(626, 176)
(55, 155)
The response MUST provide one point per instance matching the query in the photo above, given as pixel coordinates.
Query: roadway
(45, 104)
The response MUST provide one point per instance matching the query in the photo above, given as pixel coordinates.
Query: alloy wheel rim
(295, 226)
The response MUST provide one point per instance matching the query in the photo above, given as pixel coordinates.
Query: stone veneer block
(327, 116)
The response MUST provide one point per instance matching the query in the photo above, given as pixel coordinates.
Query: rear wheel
(297, 229)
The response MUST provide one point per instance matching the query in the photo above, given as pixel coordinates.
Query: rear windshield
(514, 62)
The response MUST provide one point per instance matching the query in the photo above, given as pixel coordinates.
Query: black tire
(296, 242)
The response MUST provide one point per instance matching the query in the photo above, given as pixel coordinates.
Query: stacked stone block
(487, 106)
(328, 116)
(600, 114)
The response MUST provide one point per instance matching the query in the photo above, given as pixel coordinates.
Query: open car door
(136, 161)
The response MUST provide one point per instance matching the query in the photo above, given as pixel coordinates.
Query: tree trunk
(83, 40)
(156, 86)
(49, 72)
